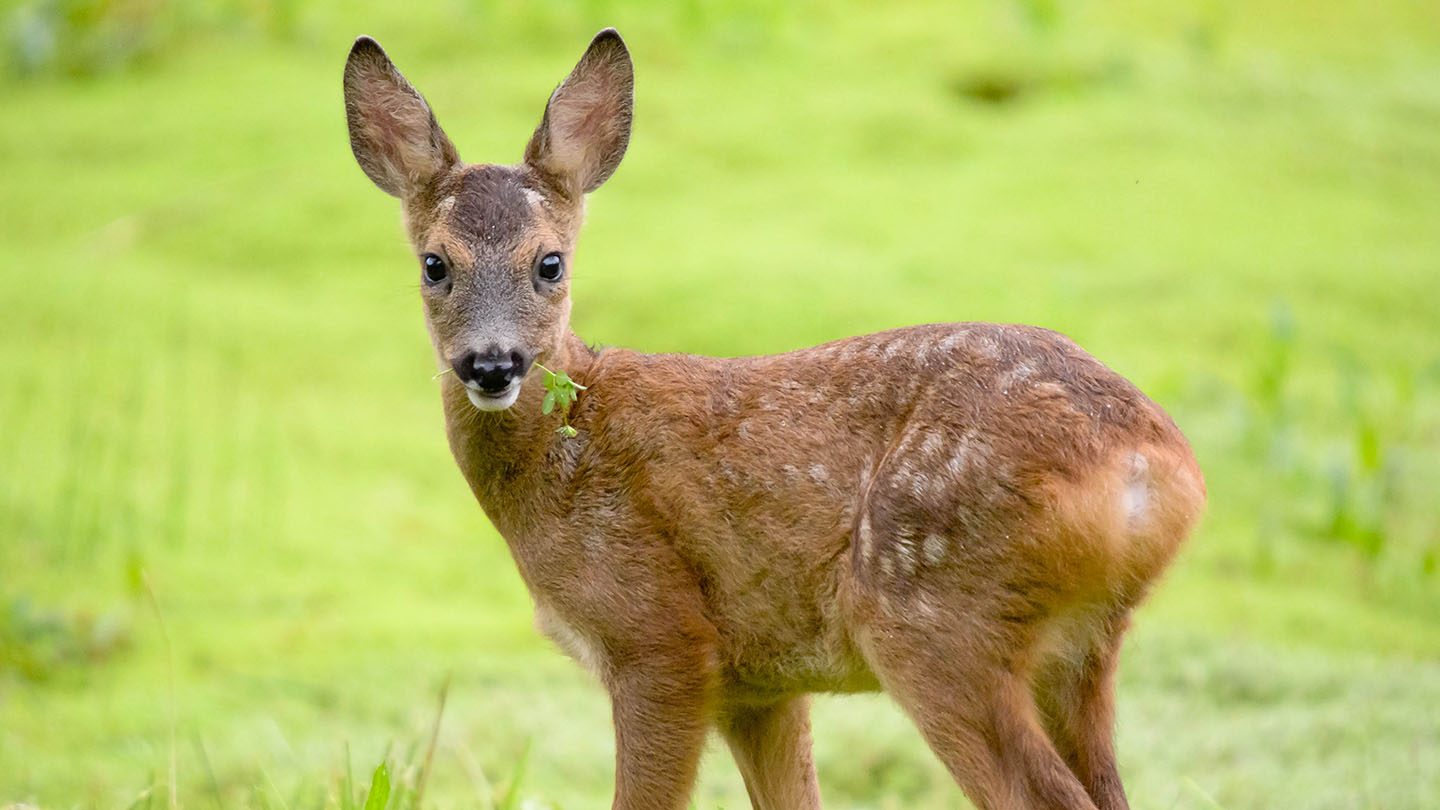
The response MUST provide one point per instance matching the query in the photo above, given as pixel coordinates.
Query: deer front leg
(662, 697)
(771, 745)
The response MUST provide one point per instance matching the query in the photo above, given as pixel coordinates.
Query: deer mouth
(493, 401)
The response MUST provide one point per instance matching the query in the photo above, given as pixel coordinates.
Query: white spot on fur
(743, 429)
(1020, 373)
(939, 485)
(964, 454)
(932, 444)
(895, 347)
(919, 482)
(933, 548)
(864, 537)
(535, 198)
(818, 473)
(447, 205)
(1135, 499)
(947, 345)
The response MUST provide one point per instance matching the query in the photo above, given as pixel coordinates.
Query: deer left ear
(586, 127)
(393, 134)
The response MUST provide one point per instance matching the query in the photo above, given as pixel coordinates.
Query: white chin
(489, 403)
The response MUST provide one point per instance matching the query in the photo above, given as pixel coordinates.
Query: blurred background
(234, 548)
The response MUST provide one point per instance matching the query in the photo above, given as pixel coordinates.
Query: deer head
(495, 243)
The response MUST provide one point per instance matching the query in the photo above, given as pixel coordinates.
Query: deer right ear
(586, 127)
(393, 134)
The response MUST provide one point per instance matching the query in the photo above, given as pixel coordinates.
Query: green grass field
(215, 385)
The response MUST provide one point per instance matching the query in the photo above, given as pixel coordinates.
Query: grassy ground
(215, 385)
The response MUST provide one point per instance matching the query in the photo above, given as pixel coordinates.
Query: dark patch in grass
(990, 87)
(39, 644)
(1003, 85)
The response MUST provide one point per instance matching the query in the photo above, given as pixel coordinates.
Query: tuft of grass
(379, 793)
(1364, 458)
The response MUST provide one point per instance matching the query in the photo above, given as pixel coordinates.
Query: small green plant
(560, 390)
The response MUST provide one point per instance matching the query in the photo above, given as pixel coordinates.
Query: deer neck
(513, 459)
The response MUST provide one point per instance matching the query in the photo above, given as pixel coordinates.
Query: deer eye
(552, 267)
(434, 270)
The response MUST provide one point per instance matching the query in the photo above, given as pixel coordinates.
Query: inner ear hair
(586, 127)
(393, 133)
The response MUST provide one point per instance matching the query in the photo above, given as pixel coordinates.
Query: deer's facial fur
(492, 225)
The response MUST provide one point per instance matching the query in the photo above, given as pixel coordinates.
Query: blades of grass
(111, 513)
(301, 793)
(379, 788)
(1199, 791)
(347, 788)
(483, 789)
(512, 793)
(402, 778)
(430, 750)
(169, 681)
(79, 446)
(273, 788)
(24, 395)
(212, 786)
(143, 797)
(179, 441)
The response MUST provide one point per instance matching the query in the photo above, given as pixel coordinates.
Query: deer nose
(491, 370)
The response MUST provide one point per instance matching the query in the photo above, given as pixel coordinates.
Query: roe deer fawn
(963, 515)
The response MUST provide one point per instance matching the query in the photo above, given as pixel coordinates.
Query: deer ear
(586, 126)
(393, 134)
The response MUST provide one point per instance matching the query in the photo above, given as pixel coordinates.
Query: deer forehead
(493, 206)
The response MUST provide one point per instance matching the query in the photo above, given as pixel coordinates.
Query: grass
(216, 380)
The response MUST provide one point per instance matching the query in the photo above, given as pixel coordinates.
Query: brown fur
(961, 514)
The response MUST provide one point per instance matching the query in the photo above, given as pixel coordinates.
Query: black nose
(490, 369)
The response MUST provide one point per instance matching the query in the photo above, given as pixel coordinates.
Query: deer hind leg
(965, 684)
(771, 746)
(1075, 689)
